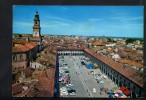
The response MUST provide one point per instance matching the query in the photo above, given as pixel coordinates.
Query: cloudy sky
(118, 21)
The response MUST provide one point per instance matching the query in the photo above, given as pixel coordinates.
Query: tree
(130, 40)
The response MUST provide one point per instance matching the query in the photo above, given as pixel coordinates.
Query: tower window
(35, 22)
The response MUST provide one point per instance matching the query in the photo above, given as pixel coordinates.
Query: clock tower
(37, 32)
(36, 27)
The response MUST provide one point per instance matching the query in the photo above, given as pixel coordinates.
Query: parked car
(92, 72)
(69, 85)
(66, 71)
(63, 93)
(60, 79)
(100, 80)
(94, 90)
(99, 75)
(65, 67)
(71, 90)
(83, 63)
(63, 88)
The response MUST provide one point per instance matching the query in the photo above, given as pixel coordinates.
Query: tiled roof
(31, 45)
(29, 92)
(130, 62)
(19, 41)
(20, 49)
(28, 71)
(122, 53)
(17, 88)
(97, 43)
(125, 61)
(58, 44)
(69, 48)
(137, 64)
(128, 72)
(24, 48)
(46, 83)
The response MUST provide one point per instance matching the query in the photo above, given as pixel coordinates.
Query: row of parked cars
(66, 86)
(98, 77)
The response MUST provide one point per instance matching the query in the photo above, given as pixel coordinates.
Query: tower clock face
(36, 33)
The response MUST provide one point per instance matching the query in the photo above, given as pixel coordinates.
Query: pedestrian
(100, 89)
(100, 93)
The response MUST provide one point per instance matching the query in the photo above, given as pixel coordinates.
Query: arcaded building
(128, 77)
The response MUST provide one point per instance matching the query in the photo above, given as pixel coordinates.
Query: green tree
(130, 40)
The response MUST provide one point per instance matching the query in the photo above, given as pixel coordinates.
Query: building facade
(22, 55)
(127, 77)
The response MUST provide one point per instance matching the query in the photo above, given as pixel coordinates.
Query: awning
(127, 92)
(123, 88)
(95, 64)
(90, 65)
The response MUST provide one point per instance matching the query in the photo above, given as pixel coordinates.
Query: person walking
(100, 91)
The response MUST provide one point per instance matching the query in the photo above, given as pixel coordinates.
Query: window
(14, 58)
(21, 57)
(35, 22)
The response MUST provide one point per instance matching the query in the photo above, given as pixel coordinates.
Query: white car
(104, 76)
(63, 88)
(94, 90)
(63, 93)
(101, 82)
(73, 93)
(69, 85)
(61, 71)
(65, 67)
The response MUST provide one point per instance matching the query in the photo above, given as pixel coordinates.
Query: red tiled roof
(17, 88)
(127, 92)
(131, 63)
(28, 71)
(31, 45)
(19, 41)
(97, 43)
(128, 72)
(123, 88)
(125, 61)
(137, 64)
(46, 83)
(24, 48)
(122, 53)
(20, 49)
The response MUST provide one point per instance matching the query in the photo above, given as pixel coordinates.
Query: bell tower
(36, 27)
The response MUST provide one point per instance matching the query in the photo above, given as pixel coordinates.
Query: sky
(115, 21)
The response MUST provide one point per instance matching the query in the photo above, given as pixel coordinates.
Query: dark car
(66, 71)
(71, 89)
(83, 63)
